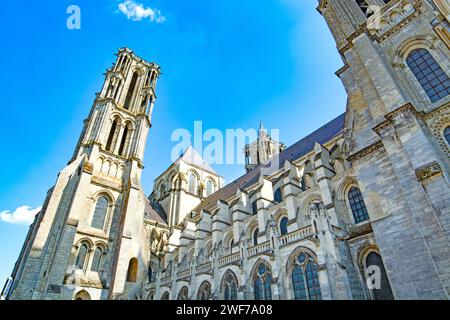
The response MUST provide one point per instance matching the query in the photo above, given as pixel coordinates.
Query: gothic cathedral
(358, 209)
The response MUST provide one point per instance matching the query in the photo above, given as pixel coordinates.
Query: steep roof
(155, 212)
(191, 156)
(299, 149)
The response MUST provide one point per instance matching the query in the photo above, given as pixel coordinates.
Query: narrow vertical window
(123, 141)
(131, 92)
(278, 196)
(429, 74)
(255, 237)
(384, 292)
(283, 226)
(192, 183)
(111, 136)
(209, 187)
(357, 205)
(81, 258)
(97, 260)
(100, 211)
(254, 207)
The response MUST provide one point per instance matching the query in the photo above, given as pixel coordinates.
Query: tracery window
(305, 278)
(204, 292)
(262, 283)
(183, 294)
(229, 285)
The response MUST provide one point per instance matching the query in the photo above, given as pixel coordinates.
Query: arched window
(165, 296)
(305, 278)
(97, 259)
(278, 196)
(283, 226)
(229, 285)
(209, 187)
(183, 294)
(204, 292)
(447, 134)
(374, 263)
(357, 205)
(112, 133)
(123, 141)
(255, 237)
(100, 211)
(231, 246)
(254, 207)
(430, 75)
(131, 91)
(192, 183)
(81, 258)
(132, 270)
(150, 274)
(262, 283)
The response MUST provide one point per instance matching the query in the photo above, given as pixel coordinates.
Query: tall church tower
(396, 74)
(261, 150)
(86, 243)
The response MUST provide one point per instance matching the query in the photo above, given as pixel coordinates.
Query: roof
(155, 212)
(299, 149)
(191, 156)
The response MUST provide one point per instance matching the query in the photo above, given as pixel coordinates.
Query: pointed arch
(303, 270)
(261, 276)
(204, 291)
(229, 285)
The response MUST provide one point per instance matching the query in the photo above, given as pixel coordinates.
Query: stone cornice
(365, 151)
(428, 171)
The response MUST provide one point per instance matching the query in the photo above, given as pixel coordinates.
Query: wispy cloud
(22, 215)
(136, 12)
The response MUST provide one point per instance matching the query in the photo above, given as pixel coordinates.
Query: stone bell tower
(89, 231)
(261, 150)
(396, 73)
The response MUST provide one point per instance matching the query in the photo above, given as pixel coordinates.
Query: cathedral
(357, 210)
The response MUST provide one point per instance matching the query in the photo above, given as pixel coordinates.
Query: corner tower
(82, 243)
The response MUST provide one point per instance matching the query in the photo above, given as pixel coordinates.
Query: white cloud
(137, 12)
(22, 215)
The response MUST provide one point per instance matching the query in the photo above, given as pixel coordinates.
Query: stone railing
(391, 18)
(166, 279)
(297, 235)
(229, 259)
(181, 274)
(258, 249)
(204, 268)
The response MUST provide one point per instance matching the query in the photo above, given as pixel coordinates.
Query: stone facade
(363, 200)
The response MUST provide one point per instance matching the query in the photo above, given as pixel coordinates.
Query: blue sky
(227, 63)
